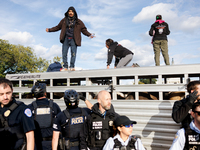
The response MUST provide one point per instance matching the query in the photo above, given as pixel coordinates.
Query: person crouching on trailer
(122, 55)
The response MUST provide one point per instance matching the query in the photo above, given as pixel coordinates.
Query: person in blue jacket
(56, 66)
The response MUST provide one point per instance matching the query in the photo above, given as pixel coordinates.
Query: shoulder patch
(176, 137)
(28, 112)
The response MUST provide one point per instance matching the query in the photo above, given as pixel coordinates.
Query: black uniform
(20, 121)
(43, 133)
(99, 128)
(118, 51)
(192, 139)
(180, 112)
(130, 146)
(70, 123)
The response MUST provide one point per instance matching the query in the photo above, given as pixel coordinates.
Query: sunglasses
(131, 125)
(198, 112)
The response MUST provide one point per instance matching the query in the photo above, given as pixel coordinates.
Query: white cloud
(148, 13)
(189, 23)
(176, 19)
(55, 50)
(47, 53)
(23, 38)
(102, 55)
(39, 50)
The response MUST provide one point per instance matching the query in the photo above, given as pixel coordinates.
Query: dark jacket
(118, 51)
(180, 112)
(95, 110)
(56, 66)
(78, 28)
(161, 26)
(20, 121)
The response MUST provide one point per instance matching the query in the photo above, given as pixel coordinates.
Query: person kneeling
(124, 139)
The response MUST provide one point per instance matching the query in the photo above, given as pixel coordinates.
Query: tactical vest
(71, 129)
(130, 146)
(192, 140)
(101, 129)
(10, 134)
(43, 114)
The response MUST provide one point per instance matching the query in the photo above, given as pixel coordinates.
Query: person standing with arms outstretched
(71, 27)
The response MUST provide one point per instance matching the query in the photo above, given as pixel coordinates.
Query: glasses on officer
(198, 112)
(128, 126)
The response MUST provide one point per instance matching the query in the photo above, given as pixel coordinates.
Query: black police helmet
(38, 90)
(71, 98)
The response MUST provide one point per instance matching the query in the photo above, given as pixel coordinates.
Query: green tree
(56, 58)
(147, 81)
(19, 59)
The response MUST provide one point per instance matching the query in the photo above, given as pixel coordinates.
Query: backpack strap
(34, 105)
(132, 141)
(67, 114)
(117, 144)
(51, 103)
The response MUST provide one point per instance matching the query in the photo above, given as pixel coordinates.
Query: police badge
(7, 113)
(111, 123)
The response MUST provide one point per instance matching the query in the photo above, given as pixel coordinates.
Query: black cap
(123, 120)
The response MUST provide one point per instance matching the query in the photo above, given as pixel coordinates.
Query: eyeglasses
(198, 112)
(131, 125)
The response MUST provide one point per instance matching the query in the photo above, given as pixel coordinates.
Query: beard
(106, 107)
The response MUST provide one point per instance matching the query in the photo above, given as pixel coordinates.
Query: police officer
(99, 123)
(44, 111)
(189, 138)
(124, 140)
(180, 112)
(16, 121)
(69, 122)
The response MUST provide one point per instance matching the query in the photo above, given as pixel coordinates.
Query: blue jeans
(69, 43)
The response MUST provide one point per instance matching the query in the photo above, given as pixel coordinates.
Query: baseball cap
(123, 120)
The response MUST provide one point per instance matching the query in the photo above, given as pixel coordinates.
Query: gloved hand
(193, 96)
(81, 96)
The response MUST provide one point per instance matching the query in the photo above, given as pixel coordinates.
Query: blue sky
(126, 21)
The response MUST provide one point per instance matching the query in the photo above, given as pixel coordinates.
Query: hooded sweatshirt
(118, 51)
(161, 30)
(70, 22)
(78, 28)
